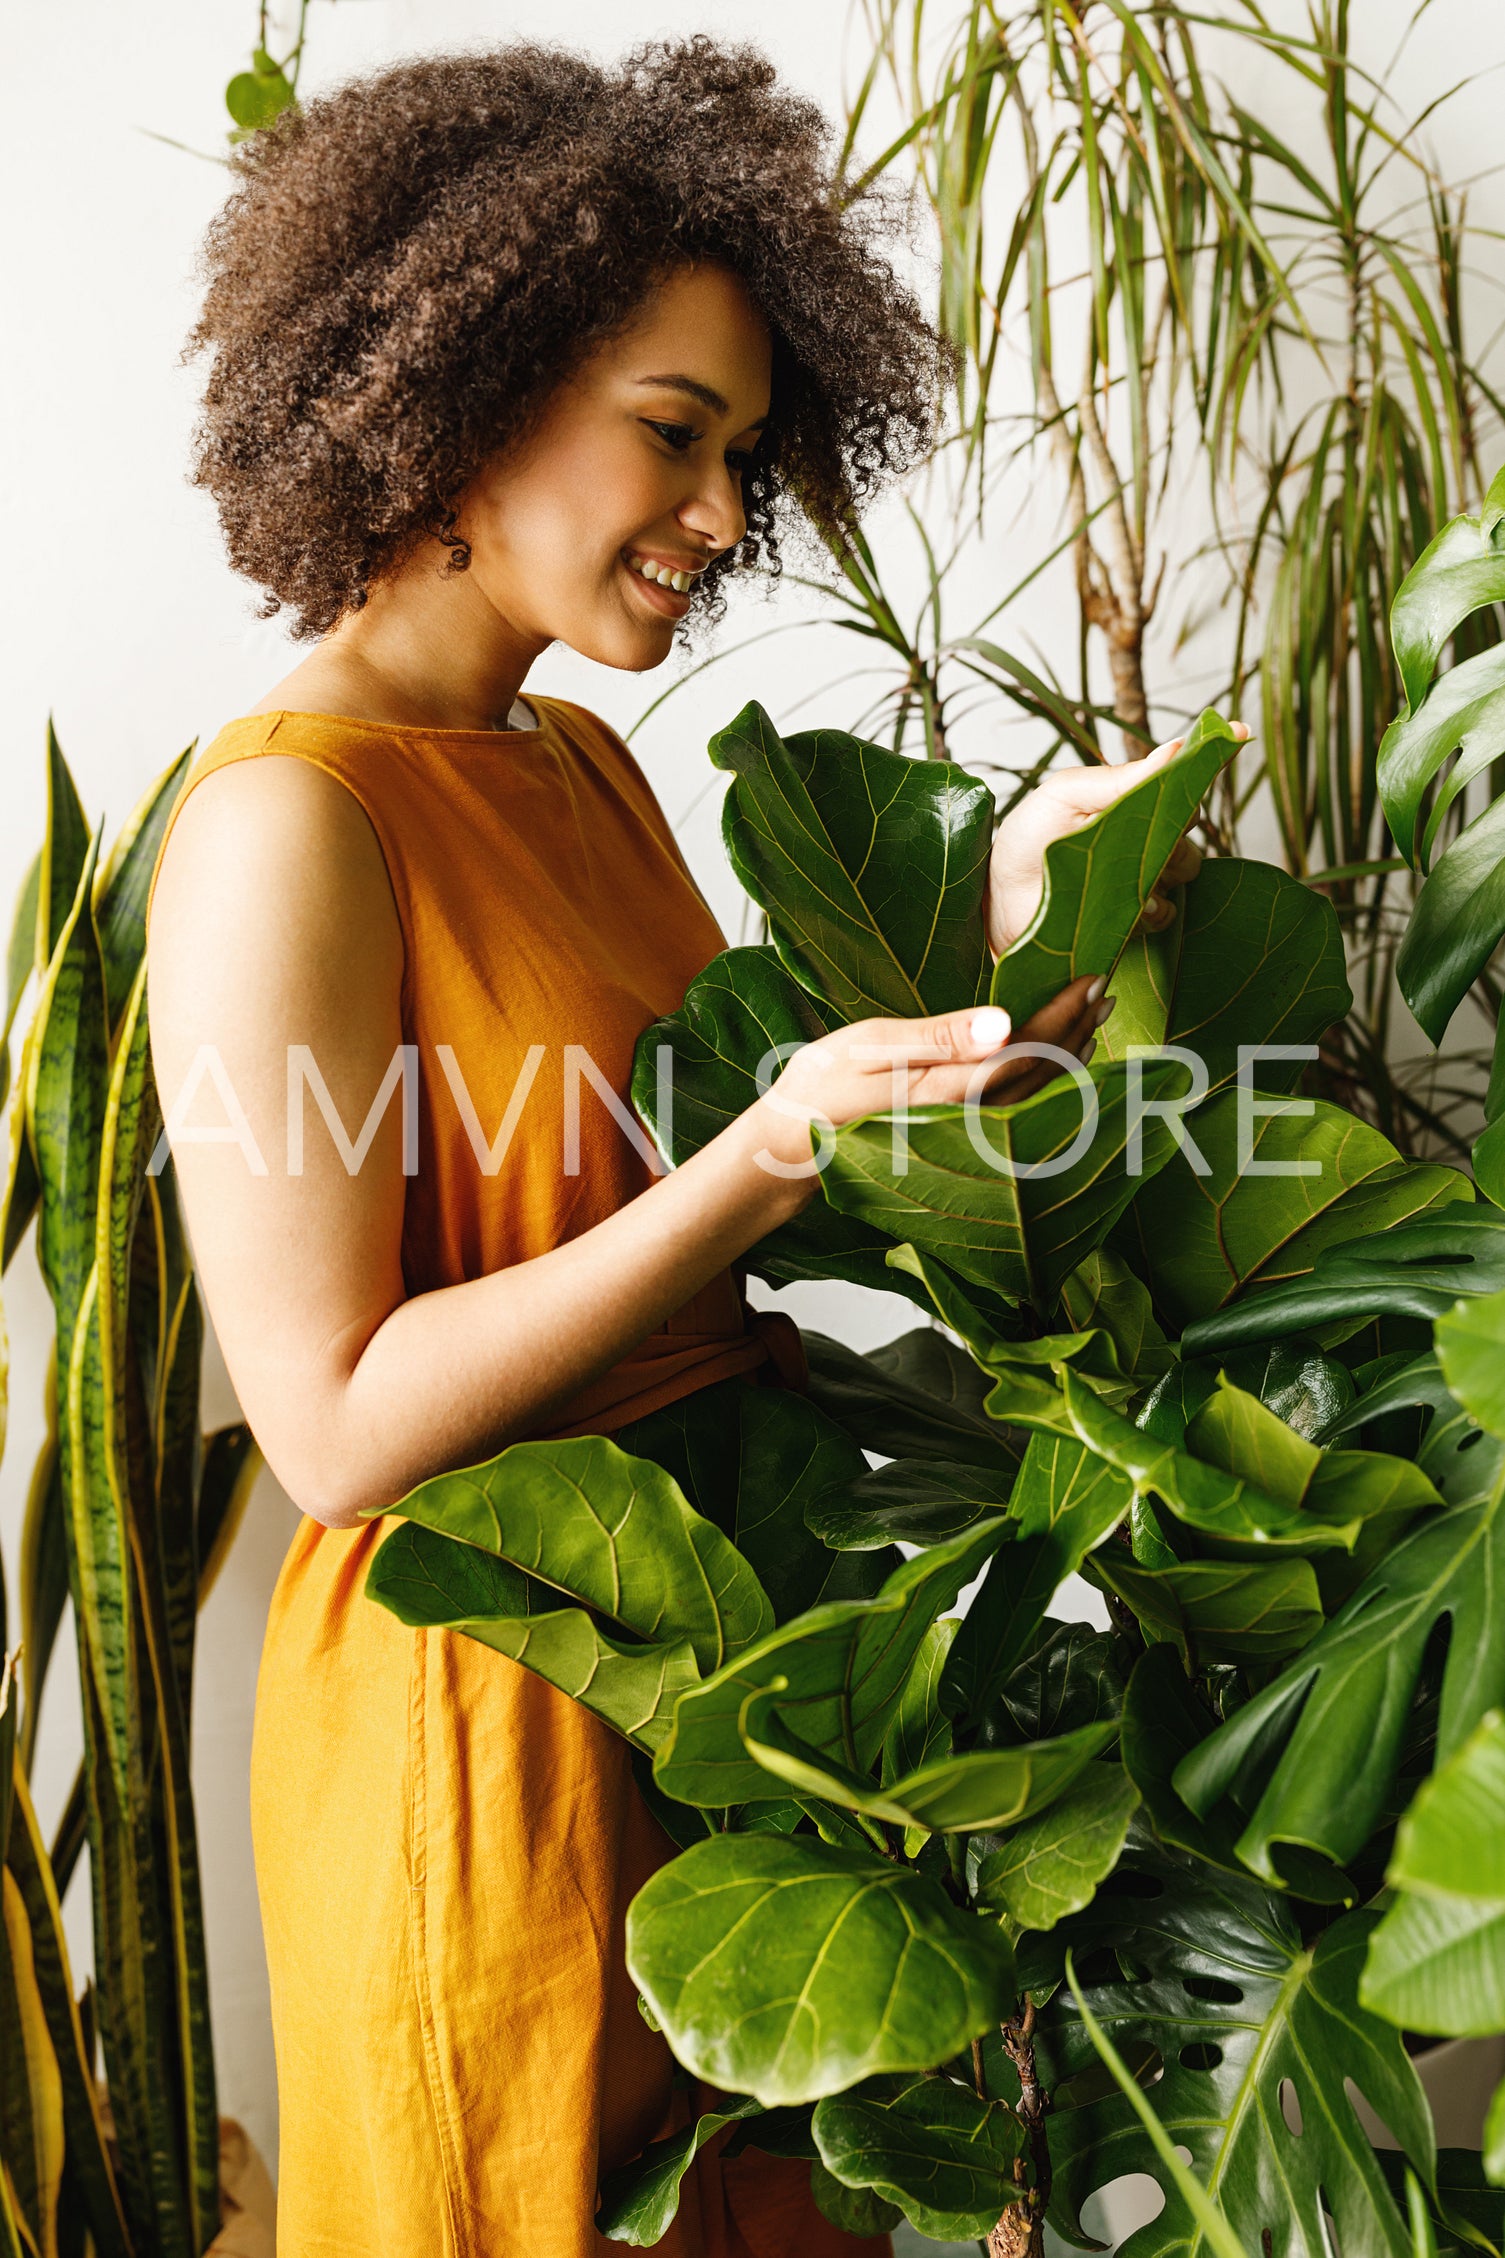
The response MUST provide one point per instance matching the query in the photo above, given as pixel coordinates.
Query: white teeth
(663, 576)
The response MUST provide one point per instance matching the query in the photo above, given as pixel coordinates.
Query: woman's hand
(889, 1065)
(1067, 799)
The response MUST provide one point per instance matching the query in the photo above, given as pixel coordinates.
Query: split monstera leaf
(903, 1791)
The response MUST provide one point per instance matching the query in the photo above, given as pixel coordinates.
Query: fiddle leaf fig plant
(1178, 1342)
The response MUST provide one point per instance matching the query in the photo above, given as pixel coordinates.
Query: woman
(507, 349)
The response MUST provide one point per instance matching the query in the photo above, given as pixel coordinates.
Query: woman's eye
(676, 435)
(740, 460)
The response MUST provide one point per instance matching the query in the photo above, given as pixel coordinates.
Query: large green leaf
(1236, 1514)
(911, 1501)
(1328, 1733)
(612, 1531)
(1470, 1338)
(1231, 2009)
(1165, 1716)
(1052, 1864)
(1068, 1676)
(933, 2147)
(1199, 1239)
(753, 1460)
(871, 867)
(917, 1396)
(841, 1669)
(428, 1579)
(745, 1011)
(1098, 878)
(1012, 1198)
(789, 1969)
(1254, 958)
(976, 1792)
(1410, 1269)
(638, 2203)
(1437, 1960)
(1216, 1610)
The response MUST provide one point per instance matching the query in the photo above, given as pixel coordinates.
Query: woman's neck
(427, 650)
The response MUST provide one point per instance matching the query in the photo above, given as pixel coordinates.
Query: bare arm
(273, 923)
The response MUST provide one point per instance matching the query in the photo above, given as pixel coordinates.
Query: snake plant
(130, 1510)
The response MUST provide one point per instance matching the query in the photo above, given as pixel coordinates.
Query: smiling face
(594, 531)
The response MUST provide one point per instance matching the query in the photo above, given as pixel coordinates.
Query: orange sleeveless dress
(446, 1846)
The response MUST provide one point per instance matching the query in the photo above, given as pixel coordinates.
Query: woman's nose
(714, 514)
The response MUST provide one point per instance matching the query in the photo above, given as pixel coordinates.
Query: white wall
(121, 618)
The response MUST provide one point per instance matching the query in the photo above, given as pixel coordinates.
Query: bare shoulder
(272, 868)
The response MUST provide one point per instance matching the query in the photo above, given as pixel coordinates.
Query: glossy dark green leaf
(932, 2147)
(1329, 1731)
(1231, 2008)
(1165, 1717)
(425, 1578)
(789, 1969)
(871, 867)
(753, 1460)
(910, 1500)
(844, 1665)
(745, 1011)
(1411, 1269)
(639, 2202)
(1012, 1198)
(1066, 1501)
(611, 1531)
(1253, 958)
(1068, 1676)
(1052, 1864)
(1099, 877)
(917, 1396)
(1437, 1960)
(920, 1728)
(1201, 1239)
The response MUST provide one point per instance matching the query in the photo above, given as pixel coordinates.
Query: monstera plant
(978, 1911)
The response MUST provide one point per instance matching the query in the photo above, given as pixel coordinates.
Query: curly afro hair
(409, 266)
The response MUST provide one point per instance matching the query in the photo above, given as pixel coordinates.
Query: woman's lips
(668, 602)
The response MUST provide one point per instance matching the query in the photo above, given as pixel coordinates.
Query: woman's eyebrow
(693, 389)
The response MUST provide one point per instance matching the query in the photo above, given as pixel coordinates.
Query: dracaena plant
(129, 1513)
(937, 1875)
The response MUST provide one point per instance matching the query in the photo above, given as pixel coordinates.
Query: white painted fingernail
(1096, 990)
(990, 1027)
(1105, 1011)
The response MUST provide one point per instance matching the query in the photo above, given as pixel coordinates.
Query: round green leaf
(789, 1969)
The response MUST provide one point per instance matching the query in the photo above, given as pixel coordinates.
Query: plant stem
(1020, 2233)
